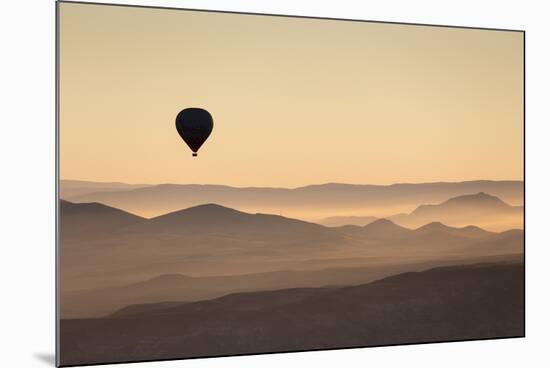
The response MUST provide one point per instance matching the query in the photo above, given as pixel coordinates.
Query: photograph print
(235, 184)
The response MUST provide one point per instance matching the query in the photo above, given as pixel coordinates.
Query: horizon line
(294, 187)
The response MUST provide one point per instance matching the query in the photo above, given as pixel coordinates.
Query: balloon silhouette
(194, 125)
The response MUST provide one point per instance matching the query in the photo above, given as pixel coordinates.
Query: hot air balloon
(194, 125)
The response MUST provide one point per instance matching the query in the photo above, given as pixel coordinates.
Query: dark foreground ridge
(442, 304)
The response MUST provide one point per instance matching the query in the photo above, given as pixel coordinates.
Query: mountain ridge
(308, 202)
(458, 303)
(486, 210)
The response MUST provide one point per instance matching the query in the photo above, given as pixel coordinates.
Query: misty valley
(174, 271)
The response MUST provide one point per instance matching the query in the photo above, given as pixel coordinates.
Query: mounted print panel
(243, 183)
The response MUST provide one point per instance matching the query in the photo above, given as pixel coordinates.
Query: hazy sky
(294, 101)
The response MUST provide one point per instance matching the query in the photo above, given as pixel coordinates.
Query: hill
(208, 239)
(87, 219)
(336, 221)
(443, 304)
(467, 231)
(177, 288)
(384, 229)
(310, 202)
(481, 209)
(215, 220)
(212, 240)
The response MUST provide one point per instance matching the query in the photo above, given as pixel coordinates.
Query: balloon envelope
(194, 125)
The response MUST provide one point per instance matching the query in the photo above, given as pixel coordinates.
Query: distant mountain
(214, 220)
(384, 229)
(176, 288)
(467, 231)
(378, 230)
(72, 188)
(335, 221)
(114, 247)
(437, 238)
(442, 304)
(312, 202)
(84, 219)
(215, 215)
(480, 203)
(104, 247)
(213, 237)
(482, 209)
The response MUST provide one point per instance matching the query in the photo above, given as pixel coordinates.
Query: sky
(294, 101)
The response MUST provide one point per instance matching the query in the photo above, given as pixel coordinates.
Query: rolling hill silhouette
(105, 247)
(442, 304)
(384, 229)
(310, 202)
(336, 221)
(438, 227)
(208, 239)
(480, 202)
(480, 208)
(85, 219)
(106, 271)
(387, 230)
(177, 288)
(212, 219)
(186, 282)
